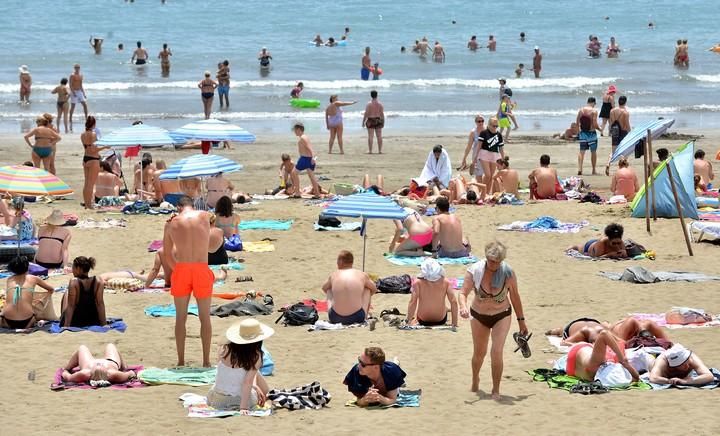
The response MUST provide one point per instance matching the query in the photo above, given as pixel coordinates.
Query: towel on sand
(659, 319)
(195, 376)
(54, 327)
(258, 247)
(168, 310)
(577, 255)
(58, 384)
(198, 408)
(245, 307)
(310, 396)
(350, 227)
(107, 223)
(638, 274)
(265, 225)
(559, 380)
(405, 398)
(712, 385)
(417, 261)
(233, 265)
(544, 224)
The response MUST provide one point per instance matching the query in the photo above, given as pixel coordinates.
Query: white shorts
(77, 96)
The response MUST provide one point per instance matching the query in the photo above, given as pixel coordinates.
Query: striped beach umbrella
(366, 205)
(140, 134)
(25, 180)
(213, 130)
(639, 133)
(200, 165)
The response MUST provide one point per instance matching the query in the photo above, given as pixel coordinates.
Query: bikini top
(498, 281)
(17, 293)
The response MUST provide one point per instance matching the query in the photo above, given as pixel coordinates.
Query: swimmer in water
(264, 57)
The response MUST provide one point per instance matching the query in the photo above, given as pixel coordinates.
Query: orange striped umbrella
(24, 180)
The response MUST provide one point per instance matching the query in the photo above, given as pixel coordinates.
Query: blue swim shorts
(588, 140)
(304, 163)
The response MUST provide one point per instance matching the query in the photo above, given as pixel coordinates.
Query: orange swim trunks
(192, 278)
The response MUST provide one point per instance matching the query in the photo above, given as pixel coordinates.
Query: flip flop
(522, 344)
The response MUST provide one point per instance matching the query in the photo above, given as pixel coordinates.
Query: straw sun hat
(56, 218)
(248, 331)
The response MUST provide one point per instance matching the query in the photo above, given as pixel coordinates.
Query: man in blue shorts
(587, 122)
(306, 161)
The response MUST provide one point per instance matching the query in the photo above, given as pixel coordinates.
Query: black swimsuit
(50, 265)
(87, 158)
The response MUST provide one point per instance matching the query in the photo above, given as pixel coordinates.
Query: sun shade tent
(367, 205)
(213, 130)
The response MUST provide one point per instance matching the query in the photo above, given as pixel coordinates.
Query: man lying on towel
(373, 380)
(437, 170)
(544, 183)
(97, 372)
(349, 291)
(674, 366)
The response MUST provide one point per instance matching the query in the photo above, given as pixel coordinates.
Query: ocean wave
(333, 85)
(710, 78)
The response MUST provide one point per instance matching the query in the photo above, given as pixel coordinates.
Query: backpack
(328, 221)
(395, 284)
(298, 314)
(233, 243)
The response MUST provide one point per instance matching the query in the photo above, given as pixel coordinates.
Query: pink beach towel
(59, 385)
(659, 319)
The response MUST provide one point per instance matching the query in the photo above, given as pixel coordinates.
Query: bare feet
(180, 363)
(206, 365)
(475, 386)
(496, 396)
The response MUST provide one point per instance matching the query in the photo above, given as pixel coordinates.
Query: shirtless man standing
(587, 120)
(366, 65)
(140, 55)
(472, 45)
(185, 242)
(619, 122)
(164, 57)
(77, 93)
(306, 161)
(349, 291)
(438, 53)
(537, 62)
(428, 294)
(543, 180)
(703, 169)
(223, 78)
(492, 43)
(374, 121)
(448, 237)
(423, 46)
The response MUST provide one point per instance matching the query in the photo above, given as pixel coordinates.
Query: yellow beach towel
(258, 247)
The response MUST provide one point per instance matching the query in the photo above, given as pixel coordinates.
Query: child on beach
(306, 161)
(376, 71)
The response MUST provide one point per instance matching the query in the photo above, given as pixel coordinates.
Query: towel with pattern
(265, 225)
(107, 223)
(571, 252)
(417, 261)
(544, 224)
(54, 327)
(405, 398)
(311, 396)
(59, 384)
(198, 408)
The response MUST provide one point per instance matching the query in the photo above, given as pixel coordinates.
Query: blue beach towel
(168, 310)
(265, 225)
(54, 327)
(232, 265)
(405, 398)
(350, 227)
(417, 261)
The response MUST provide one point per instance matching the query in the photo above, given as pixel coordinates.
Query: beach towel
(168, 310)
(270, 197)
(638, 274)
(712, 385)
(107, 223)
(425, 327)
(310, 396)
(659, 319)
(265, 225)
(321, 324)
(457, 283)
(54, 327)
(544, 224)
(198, 408)
(556, 342)
(577, 255)
(431, 211)
(349, 227)
(178, 376)
(246, 307)
(417, 261)
(320, 305)
(258, 246)
(59, 385)
(433, 168)
(233, 265)
(405, 398)
(699, 230)
(557, 379)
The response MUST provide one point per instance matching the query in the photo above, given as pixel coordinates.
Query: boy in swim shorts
(306, 161)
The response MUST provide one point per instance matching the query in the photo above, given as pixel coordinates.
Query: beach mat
(258, 247)
(53, 327)
(168, 310)
(559, 380)
(59, 385)
(659, 319)
(544, 224)
(265, 225)
(233, 265)
(347, 227)
(712, 385)
(405, 398)
(198, 408)
(640, 275)
(417, 261)
(185, 376)
(577, 255)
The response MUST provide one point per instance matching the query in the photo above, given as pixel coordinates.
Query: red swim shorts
(192, 278)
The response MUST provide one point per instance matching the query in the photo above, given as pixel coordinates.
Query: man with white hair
(676, 366)
(428, 294)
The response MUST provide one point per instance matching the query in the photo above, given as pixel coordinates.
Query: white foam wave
(710, 78)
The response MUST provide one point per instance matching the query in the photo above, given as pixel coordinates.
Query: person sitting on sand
(18, 312)
(584, 360)
(428, 294)
(611, 246)
(216, 246)
(239, 385)
(143, 180)
(462, 192)
(83, 304)
(154, 273)
(84, 368)
(625, 181)
(587, 330)
(437, 171)
(165, 190)
(349, 292)
(704, 169)
(448, 239)
(378, 187)
(675, 366)
(570, 134)
(506, 179)
(53, 242)
(417, 235)
(544, 182)
(226, 219)
(289, 179)
(217, 186)
(17, 216)
(373, 380)
(107, 183)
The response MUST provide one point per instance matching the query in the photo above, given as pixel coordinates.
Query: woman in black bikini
(496, 293)
(207, 92)
(83, 368)
(53, 242)
(83, 304)
(91, 161)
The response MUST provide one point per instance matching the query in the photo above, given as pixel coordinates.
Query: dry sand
(554, 289)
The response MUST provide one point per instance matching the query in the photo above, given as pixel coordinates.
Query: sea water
(419, 95)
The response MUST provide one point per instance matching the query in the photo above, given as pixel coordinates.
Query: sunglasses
(479, 121)
(493, 125)
(363, 364)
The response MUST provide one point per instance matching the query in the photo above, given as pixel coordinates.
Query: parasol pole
(364, 231)
(679, 209)
(652, 173)
(647, 189)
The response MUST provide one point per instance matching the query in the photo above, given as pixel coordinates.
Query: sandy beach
(554, 290)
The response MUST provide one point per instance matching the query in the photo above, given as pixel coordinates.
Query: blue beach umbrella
(639, 133)
(199, 165)
(140, 134)
(213, 130)
(365, 205)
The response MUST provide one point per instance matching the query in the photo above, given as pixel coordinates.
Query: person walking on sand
(374, 121)
(537, 62)
(587, 120)
(44, 148)
(25, 84)
(185, 242)
(63, 97)
(334, 121)
(77, 93)
(619, 126)
(607, 105)
(366, 65)
(164, 57)
(207, 93)
(306, 161)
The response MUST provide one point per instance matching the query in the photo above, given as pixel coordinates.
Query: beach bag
(233, 243)
(591, 197)
(37, 270)
(298, 314)
(328, 221)
(395, 284)
(633, 248)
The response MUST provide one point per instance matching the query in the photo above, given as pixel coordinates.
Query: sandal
(589, 388)
(394, 311)
(242, 279)
(522, 344)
